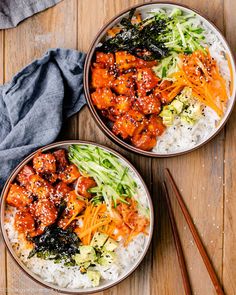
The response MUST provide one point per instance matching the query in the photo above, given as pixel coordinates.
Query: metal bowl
(103, 123)
(103, 286)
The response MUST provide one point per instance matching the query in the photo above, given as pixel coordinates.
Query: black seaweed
(140, 39)
(55, 242)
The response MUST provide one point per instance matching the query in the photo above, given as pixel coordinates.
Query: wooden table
(205, 177)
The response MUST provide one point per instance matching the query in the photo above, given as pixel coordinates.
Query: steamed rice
(181, 136)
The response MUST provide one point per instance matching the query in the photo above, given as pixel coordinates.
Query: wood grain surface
(205, 177)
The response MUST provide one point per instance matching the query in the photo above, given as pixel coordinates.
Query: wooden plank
(199, 175)
(55, 27)
(229, 261)
(203, 167)
(2, 246)
(136, 283)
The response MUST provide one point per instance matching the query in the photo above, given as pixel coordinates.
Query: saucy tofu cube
(103, 98)
(149, 104)
(31, 208)
(106, 60)
(101, 78)
(24, 174)
(128, 124)
(141, 63)
(144, 141)
(124, 85)
(84, 184)
(44, 163)
(24, 222)
(155, 125)
(125, 60)
(61, 159)
(70, 174)
(45, 212)
(123, 105)
(51, 177)
(62, 190)
(146, 80)
(39, 186)
(74, 206)
(18, 196)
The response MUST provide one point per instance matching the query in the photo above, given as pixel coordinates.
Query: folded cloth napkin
(34, 103)
(14, 11)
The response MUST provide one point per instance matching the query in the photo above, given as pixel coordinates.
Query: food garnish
(200, 72)
(138, 38)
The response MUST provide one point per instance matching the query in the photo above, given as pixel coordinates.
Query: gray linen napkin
(14, 11)
(34, 103)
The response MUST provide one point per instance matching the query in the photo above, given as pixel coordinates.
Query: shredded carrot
(93, 219)
(199, 72)
(92, 228)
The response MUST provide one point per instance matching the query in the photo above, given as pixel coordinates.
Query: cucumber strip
(113, 180)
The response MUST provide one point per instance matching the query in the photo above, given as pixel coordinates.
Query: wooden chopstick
(195, 235)
(179, 250)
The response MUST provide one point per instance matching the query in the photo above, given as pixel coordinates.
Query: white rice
(181, 136)
(70, 276)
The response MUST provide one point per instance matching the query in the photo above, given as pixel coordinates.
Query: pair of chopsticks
(201, 249)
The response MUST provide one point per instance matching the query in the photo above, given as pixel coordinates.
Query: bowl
(104, 124)
(104, 285)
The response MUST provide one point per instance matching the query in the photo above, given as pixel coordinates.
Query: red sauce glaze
(70, 174)
(105, 60)
(44, 163)
(24, 222)
(18, 196)
(101, 78)
(45, 212)
(43, 188)
(103, 98)
(129, 124)
(74, 206)
(85, 183)
(24, 174)
(127, 92)
(39, 187)
(61, 159)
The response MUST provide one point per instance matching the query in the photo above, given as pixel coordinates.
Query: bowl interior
(103, 285)
(145, 9)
